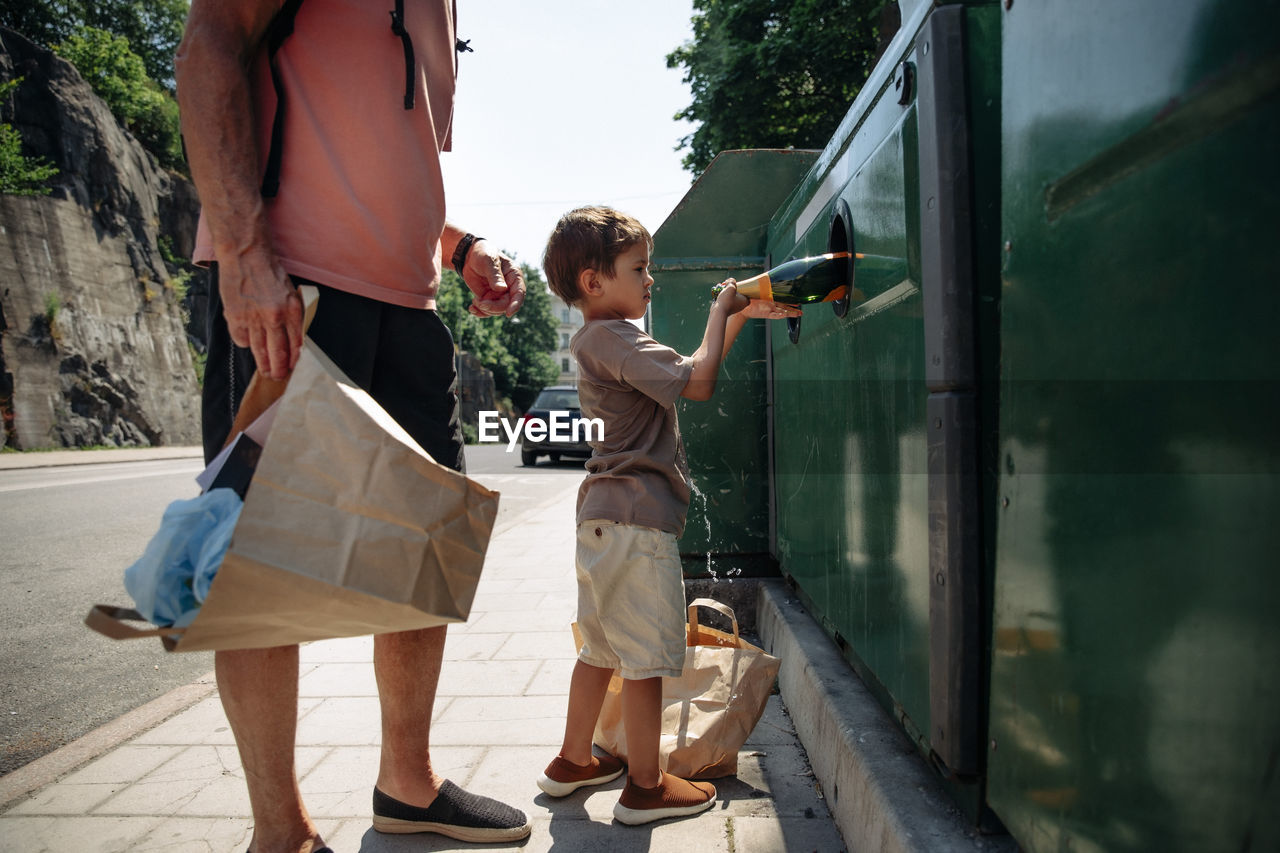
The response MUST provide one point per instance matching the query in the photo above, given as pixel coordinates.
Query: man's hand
(496, 281)
(264, 313)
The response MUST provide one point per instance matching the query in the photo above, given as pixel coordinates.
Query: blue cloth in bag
(172, 578)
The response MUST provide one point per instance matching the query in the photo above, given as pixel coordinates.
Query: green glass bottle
(822, 278)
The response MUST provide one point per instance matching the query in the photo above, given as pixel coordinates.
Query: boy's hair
(589, 238)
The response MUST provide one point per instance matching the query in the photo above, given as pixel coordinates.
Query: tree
(118, 76)
(775, 73)
(19, 174)
(153, 28)
(517, 349)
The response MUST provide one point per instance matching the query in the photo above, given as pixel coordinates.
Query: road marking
(106, 477)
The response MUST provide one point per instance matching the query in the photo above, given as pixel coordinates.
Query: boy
(632, 504)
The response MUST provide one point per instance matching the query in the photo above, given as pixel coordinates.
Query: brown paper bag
(710, 710)
(348, 528)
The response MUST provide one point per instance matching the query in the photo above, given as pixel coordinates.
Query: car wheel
(529, 458)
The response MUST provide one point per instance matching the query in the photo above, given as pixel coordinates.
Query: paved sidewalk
(55, 458)
(499, 717)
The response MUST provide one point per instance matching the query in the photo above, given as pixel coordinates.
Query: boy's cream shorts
(631, 609)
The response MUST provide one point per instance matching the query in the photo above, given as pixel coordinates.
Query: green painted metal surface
(850, 394)
(849, 446)
(718, 231)
(1134, 697)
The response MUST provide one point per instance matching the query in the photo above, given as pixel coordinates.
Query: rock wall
(93, 348)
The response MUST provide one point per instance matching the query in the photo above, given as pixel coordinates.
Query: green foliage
(773, 73)
(517, 349)
(119, 77)
(52, 305)
(19, 174)
(153, 28)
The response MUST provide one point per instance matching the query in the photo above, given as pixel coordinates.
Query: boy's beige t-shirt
(637, 473)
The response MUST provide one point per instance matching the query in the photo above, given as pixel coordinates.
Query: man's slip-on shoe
(455, 813)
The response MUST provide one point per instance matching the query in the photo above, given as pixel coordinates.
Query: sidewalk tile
(341, 650)
(486, 678)
(775, 725)
(565, 585)
(182, 835)
(501, 601)
(531, 621)
(203, 723)
(461, 646)
(512, 720)
(79, 792)
(770, 835)
(342, 721)
(544, 645)
(81, 834)
(169, 788)
(552, 678)
(339, 679)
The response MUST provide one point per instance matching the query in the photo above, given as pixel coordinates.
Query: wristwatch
(463, 248)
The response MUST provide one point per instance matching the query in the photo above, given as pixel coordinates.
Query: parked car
(553, 419)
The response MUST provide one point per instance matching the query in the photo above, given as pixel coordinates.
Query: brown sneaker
(673, 797)
(562, 777)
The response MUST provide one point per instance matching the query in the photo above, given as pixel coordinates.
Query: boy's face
(625, 294)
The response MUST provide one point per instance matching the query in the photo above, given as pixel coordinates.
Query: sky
(565, 103)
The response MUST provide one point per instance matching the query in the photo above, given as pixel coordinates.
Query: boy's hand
(729, 300)
(760, 309)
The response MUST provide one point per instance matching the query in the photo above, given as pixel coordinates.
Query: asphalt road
(66, 536)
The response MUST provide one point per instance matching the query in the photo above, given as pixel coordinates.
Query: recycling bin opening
(840, 239)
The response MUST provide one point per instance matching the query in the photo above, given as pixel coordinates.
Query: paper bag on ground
(348, 528)
(710, 710)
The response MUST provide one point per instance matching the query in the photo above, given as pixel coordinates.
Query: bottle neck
(757, 287)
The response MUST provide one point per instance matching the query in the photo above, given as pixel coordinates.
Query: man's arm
(212, 69)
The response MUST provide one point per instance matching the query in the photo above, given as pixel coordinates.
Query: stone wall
(93, 348)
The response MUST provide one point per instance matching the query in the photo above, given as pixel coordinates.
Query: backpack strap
(397, 27)
(280, 29)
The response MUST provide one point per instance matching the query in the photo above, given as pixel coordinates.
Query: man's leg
(407, 666)
(410, 796)
(259, 691)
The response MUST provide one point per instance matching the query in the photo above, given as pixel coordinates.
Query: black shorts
(402, 356)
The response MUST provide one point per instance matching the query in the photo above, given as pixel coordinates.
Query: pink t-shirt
(361, 200)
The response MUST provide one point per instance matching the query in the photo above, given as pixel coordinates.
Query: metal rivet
(937, 423)
(1004, 502)
(1008, 4)
(940, 579)
(598, 533)
(993, 744)
(1008, 246)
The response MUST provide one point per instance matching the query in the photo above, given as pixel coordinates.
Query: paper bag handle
(113, 622)
(722, 609)
(262, 392)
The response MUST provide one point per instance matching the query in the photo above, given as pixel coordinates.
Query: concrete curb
(880, 792)
(59, 458)
(48, 768)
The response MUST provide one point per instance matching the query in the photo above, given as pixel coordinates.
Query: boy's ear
(589, 283)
